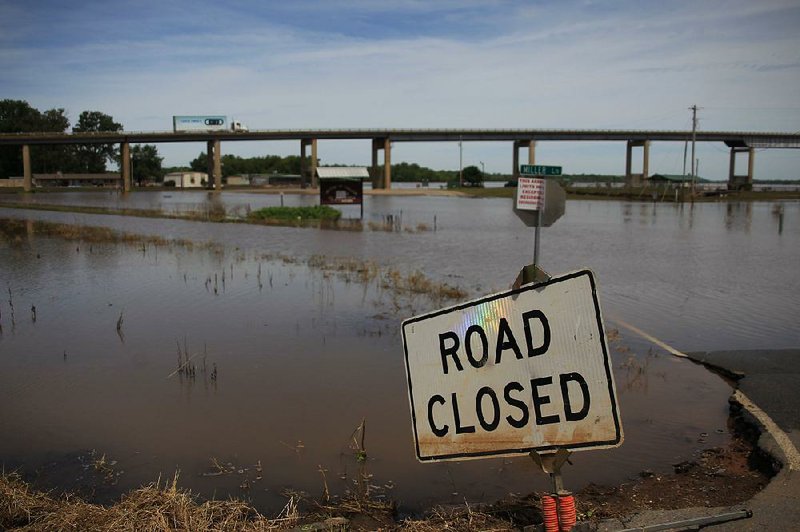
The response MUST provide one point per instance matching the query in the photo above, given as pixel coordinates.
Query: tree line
(17, 116)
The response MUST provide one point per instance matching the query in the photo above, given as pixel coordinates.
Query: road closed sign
(514, 372)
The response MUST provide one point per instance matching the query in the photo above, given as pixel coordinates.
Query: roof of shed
(676, 178)
(342, 172)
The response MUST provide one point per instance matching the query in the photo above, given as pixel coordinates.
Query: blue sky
(414, 63)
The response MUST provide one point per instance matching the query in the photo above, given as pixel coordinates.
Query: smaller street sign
(551, 201)
(539, 169)
(530, 194)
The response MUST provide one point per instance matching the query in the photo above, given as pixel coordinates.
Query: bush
(317, 212)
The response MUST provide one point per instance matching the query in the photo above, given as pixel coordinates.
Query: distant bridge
(738, 142)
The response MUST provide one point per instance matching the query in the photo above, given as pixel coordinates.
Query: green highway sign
(538, 169)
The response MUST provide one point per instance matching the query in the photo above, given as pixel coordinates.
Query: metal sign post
(539, 202)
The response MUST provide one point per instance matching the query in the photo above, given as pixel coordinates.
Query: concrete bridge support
(531, 145)
(737, 182)
(384, 180)
(125, 165)
(305, 171)
(631, 179)
(27, 176)
(214, 159)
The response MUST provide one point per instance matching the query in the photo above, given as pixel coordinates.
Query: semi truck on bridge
(203, 123)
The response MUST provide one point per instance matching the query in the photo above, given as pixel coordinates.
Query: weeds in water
(11, 306)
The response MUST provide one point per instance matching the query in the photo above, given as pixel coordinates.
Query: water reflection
(251, 372)
(739, 216)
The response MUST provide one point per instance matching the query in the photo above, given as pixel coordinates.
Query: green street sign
(538, 169)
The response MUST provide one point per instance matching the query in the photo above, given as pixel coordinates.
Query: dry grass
(153, 507)
(167, 507)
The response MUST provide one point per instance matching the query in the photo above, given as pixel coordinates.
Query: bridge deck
(738, 138)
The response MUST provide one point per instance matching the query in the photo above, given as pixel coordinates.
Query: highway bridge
(738, 141)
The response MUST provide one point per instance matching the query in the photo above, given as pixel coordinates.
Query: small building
(108, 180)
(275, 180)
(675, 180)
(12, 182)
(186, 179)
(238, 181)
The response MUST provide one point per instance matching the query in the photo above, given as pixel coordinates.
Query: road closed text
(513, 372)
(474, 350)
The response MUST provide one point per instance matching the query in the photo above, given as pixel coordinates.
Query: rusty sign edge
(596, 445)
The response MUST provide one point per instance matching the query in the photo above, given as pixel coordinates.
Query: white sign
(530, 194)
(513, 372)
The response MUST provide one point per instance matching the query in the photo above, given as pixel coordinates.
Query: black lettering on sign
(526, 319)
(440, 432)
(539, 400)
(476, 329)
(569, 414)
(490, 425)
(452, 350)
(523, 420)
(503, 332)
(459, 429)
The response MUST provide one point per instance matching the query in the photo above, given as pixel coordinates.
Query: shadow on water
(251, 353)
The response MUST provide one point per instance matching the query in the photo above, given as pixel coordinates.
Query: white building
(186, 179)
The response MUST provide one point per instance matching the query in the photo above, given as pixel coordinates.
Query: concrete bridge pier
(214, 160)
(631, 179)
(531, 145)
(737, 182)
(305, 171)
(385, 180)
(125, 165)
(27, 176)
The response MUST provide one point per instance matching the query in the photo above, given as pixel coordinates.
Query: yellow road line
(653, 339)
(781, 439)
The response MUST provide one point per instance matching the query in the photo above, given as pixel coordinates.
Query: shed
(342, 185)
(675, 179)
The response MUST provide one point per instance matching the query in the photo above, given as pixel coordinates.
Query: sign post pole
(536, 235)
(539, 202)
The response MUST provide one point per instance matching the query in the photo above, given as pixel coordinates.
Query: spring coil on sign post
(567, 517)
(550, 513)
(558, 511)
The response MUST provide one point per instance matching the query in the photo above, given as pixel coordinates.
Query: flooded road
(303, 353)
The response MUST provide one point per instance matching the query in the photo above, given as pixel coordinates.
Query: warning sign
(530, 194)
(513, 372)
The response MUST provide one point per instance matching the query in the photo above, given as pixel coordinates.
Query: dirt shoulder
(718, 477)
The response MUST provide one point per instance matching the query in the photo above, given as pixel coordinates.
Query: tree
(17, 116)
(473, 177)
(92, 158)
(146, 164)
(50, 159)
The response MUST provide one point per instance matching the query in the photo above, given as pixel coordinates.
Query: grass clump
(315, 212)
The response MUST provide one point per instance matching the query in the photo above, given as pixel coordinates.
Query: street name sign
(514, 372)
(539, 169)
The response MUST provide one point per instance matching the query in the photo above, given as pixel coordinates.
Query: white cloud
(562, 64)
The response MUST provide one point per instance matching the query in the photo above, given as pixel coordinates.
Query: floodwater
(303, 354)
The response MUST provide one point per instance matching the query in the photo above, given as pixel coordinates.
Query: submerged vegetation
(13, 230)
(351, 269)
(316, 212)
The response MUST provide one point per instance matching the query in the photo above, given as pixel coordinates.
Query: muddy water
(303, 355)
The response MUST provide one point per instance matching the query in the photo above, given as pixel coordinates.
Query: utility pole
(694, 138)
(460, 163)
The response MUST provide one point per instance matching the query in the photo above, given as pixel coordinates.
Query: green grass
(316, 212)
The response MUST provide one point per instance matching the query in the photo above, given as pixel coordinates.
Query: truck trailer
(202, 123)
